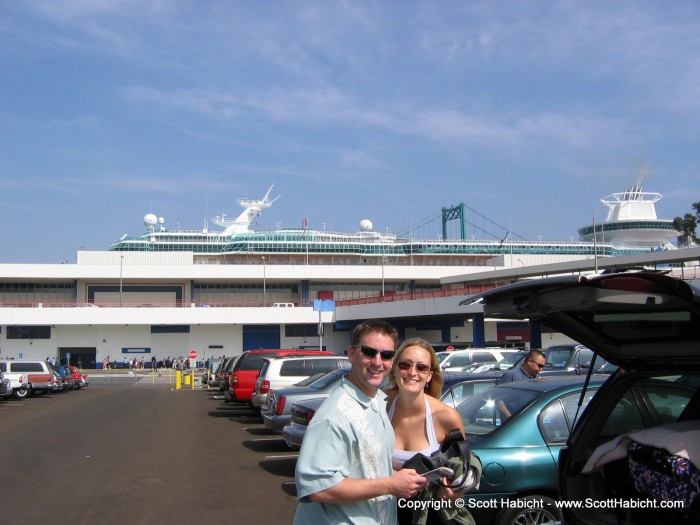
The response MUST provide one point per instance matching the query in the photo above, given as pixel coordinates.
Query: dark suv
(633, 456)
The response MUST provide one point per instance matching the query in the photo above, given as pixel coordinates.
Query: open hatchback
(633, 456)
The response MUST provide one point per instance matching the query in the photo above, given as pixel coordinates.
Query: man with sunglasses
(344, 472)
(533, 363)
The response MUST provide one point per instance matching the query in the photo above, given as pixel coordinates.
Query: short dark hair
(533, 353)
(371, 326)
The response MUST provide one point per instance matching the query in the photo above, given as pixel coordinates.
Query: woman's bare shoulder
(446, 416)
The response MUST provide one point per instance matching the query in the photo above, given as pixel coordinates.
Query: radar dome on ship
(366, 225)
(150, 220)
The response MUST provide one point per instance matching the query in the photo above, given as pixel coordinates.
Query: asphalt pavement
(133, 449)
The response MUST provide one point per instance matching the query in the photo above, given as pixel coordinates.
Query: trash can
(187, 379)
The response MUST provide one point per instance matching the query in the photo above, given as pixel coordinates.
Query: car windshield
(328, 378)
(510, 359)
(485, 412)
(310, 379)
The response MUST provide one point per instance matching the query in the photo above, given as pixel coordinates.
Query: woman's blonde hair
(434, 386)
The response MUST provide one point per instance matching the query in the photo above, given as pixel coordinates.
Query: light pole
(121, 279)
(595, 239)
(384, 261)
(264, 282)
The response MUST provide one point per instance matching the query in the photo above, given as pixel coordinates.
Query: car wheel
(23, 393)
(530, 509)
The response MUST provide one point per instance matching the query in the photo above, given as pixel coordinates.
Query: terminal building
(167, 292)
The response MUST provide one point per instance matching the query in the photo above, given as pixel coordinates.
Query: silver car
(277, 413)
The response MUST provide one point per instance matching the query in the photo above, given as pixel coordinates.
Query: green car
(516, 430)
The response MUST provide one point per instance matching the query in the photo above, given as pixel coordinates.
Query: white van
(458, 359)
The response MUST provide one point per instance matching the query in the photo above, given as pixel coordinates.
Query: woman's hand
(445, 492)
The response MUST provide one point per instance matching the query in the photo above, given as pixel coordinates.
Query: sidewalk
(164, 377)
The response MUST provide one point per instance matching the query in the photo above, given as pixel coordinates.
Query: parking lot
(133, 452)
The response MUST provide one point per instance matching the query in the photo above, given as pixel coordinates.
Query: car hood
(635, 320)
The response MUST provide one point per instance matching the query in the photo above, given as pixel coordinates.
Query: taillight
(234, 380)
(310, 415)
(264, 387)
(280, 405)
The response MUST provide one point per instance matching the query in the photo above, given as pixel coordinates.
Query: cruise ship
(168, 292)
(631, 227)
(632, 221)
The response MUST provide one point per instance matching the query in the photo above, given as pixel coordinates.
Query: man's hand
(408, 483)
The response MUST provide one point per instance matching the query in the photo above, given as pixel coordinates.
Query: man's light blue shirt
(350, 436)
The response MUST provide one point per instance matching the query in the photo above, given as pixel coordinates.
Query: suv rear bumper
(276, 423)
(259, 401)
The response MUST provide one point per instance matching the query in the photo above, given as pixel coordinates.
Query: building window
(29, 332)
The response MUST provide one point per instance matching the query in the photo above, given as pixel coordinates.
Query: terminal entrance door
(85, 355)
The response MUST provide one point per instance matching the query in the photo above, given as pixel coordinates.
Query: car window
(553, 424)
(510, 359)
(584, 357)
(252, 361)
(665, 403)
(263, 370)
(26, 367)
(463, 391)
(571, 408)
(459, 360)
(651, 402)
(557, 419)
(557, 358)
(295, 367)
(325, 365)
(625, 417)
(483, 357)
(481, 414)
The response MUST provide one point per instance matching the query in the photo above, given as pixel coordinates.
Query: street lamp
(121, 279)
(595, 238)
(384, 261)
(264, 282)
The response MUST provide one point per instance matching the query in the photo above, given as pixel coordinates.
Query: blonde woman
(420, 420)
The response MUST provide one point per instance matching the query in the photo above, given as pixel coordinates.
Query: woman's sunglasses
(420, 367)
(386, 355)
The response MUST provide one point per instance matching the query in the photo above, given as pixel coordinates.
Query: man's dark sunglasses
(538, 365)
(370, 352)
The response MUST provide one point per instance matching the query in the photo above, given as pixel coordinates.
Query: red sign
(193, 354)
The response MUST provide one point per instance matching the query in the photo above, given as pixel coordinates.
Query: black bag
(455, 446)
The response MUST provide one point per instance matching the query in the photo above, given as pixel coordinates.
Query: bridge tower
(449, 214)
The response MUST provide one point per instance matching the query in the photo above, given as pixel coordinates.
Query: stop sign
(193, 354)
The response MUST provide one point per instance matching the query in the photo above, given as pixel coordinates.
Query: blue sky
(527, 111)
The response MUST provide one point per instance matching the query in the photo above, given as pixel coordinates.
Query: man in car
(532, 364)
(344, 473)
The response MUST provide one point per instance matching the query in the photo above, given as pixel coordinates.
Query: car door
(559, 417)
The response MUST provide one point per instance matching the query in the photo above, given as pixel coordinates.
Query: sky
(528, 112)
